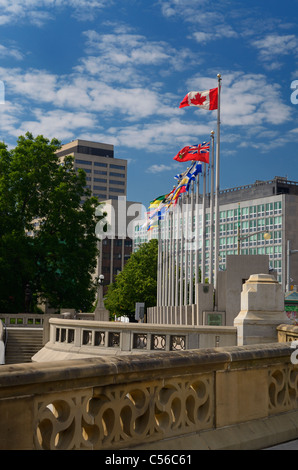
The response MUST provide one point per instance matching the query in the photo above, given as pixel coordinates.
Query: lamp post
(100, 313)
(289, 252)
(100, 291)
(267, 236)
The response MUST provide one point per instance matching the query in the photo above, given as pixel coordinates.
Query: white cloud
(247, 99)
(10, 51)
(38, 12)
(57, 123)
(273, 46)
(159, 168)
(122, 56)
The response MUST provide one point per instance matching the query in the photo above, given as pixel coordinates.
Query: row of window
(105, 173)
(104, 180)
(104, 165)
(260, 210)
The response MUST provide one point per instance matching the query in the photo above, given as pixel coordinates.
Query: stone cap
(262, 278)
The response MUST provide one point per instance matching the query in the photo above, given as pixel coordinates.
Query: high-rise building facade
(107, 179)
(261, 218)
(106, 175)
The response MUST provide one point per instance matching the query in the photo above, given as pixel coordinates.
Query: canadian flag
(203, 99)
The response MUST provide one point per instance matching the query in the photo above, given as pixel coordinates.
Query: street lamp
(289, 252)
(266, 236)
(100, 280)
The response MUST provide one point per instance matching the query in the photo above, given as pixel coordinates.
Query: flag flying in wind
(157, 201)
(203, 99)
(162, 204)
(187, 177)
(194, 152)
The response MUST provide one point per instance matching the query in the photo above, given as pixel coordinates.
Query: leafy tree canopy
(137, 282)
(47, 231)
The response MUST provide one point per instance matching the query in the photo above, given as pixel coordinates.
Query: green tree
(47, 232)
(137, 282)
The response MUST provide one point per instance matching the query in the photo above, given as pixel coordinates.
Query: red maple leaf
(198, 99)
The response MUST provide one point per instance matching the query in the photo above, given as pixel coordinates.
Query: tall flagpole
(203, 258)
(197, 237)
(216, 260)
(211, 211)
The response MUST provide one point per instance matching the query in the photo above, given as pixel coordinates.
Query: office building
(107, 179)
(106, 175)
(256, 219)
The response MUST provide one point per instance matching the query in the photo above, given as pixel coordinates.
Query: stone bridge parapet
(239, 397)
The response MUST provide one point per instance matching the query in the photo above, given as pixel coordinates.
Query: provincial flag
(203, 99)
(157, 201)
(198, 152)
(184, 183)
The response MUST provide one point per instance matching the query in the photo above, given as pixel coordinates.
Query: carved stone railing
(23, 319)
(287, 333)
(222, 398)
(70, 339)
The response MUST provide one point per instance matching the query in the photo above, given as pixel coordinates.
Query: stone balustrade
(70, 339)
(30, 320)
(286, 332)
(239, 397)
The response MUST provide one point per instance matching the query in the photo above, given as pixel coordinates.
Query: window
(277, 236)
(269, 223)
(100, 180)
(245, 227)
(269, 208)
(261, 224)
(83, 162)
(117, 167)
(277, 251)
(100, 172)
(222, 229)
(100, 164)
(222, 242)
(277, 222)
(253, 211)
(244, 212)
(253, 226)
(277, 207)
(269, 250)
(119, 175)
(117, 190)
(222, 216)
(100, 152)
(121, 183)
(230, 229)
(230, 214)
(261, 210)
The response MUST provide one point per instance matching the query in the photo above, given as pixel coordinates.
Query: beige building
(107, 179)
(106, 175)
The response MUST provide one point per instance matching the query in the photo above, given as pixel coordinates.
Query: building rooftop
(259, 189)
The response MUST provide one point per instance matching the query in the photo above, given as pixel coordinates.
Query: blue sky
(115, 72)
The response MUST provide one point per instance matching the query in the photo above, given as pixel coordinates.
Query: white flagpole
(192, 251)
(186, 245)
(211, 211)
(203, 268)
(216, 260)
(197, 236)
(159, 270)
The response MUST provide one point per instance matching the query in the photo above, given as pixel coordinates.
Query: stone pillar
(262, 310)
(101, 314)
